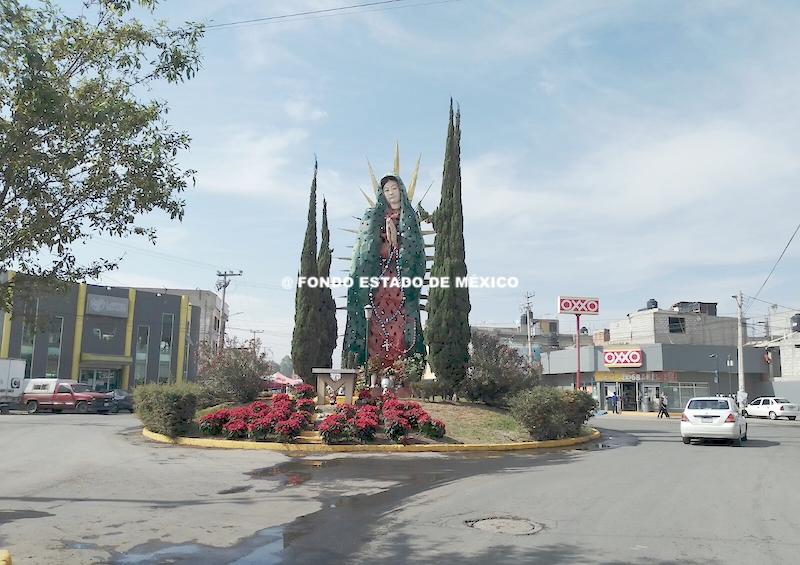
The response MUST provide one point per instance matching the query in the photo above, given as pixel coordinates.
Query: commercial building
(107, 337)
(682, 352)
(211, 309)
(545, 336)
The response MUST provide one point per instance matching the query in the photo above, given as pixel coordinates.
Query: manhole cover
(513, 526)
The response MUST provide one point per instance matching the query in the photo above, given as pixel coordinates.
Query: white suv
(771, 407)
(713, 417)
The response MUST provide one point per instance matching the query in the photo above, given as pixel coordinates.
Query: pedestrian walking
(663, 406)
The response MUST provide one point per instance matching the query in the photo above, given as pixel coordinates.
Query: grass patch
(475, 423)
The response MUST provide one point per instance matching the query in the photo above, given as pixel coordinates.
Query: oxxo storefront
(640, 374)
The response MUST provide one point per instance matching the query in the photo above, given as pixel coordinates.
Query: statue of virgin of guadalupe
(390, 248)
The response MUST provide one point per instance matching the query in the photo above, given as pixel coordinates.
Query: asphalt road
(90, 489)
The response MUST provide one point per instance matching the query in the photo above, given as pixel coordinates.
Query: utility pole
(742, 394)
(223, 285)
(255, 332)
(527, 307)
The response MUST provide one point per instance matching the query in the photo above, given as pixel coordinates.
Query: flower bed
(282, 420)
(361, 423)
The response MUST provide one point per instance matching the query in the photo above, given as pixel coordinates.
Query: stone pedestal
(336, 379)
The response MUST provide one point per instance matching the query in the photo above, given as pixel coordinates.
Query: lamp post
(716, 370)
(367, 317)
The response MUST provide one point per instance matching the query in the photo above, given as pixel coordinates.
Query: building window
(165, 350)
(29, 319)
(677, 325)
(216, 324)
(54, 334)
(142, 347)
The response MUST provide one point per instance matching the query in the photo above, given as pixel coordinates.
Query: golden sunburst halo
(374, 181)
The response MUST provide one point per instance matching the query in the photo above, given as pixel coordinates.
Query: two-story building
(107, 337)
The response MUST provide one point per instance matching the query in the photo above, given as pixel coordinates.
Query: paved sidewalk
(630, 414)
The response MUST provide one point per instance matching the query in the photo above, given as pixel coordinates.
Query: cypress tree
(328, 326)
(305, 338)
(448, 331)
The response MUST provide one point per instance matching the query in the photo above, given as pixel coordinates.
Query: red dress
(387, 326)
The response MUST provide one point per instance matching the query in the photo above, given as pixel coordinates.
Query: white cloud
(250, 163)
(302, 110)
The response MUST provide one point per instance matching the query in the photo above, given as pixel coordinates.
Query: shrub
(579, 407)
(232, 374)
(431, 428)
(426, 389)
(551, 413)
(305, 405)
(211, 424)
(334, 429)
(166, 408)
(305, 391)
(235, 429)
(496, 371)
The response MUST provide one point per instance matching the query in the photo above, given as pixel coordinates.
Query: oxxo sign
(623, 358)
(578, 305)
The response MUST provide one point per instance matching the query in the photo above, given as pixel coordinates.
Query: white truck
(12, 383)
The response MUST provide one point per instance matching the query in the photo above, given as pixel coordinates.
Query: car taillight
(684, 417)
(730, 419)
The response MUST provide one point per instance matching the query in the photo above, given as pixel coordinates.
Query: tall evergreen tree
(305, 338)
(448, 331)
(328, 326)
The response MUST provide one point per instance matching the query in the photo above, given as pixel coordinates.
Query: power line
(306, 13)
(326, 13)
(788, 243)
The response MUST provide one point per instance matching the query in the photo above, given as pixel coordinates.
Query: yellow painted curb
(393, 448)
(5, 557)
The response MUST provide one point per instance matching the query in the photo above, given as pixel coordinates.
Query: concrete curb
(394, 448)
(5, 557)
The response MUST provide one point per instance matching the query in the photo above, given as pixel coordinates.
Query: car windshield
(80, 388)
(782, 400)
(708, 405)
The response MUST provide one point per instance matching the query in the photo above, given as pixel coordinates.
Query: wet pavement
(166, 504)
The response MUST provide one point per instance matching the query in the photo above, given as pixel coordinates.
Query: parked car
(58, 395)
(714, 417)
(123, 400)
(772, 407)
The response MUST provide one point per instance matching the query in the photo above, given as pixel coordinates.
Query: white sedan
(713, 417)
(772, 407)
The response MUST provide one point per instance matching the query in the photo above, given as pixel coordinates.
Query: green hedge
(166, 408)
(552, 413)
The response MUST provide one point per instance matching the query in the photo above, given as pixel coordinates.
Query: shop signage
(578, 305)
(100, 305)
(623, 358)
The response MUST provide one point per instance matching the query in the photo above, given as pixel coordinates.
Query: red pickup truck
(57, 395)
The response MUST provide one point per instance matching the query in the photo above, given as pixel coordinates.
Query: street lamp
(367, 317)
(716, 369)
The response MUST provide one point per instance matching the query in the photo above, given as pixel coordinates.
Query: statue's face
(391, 191)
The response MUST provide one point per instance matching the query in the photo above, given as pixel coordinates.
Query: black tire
(687, 440)
(32, 407)
(744, 437)
(81, 407)
(773, 416)
(115, 410)
(792, 417)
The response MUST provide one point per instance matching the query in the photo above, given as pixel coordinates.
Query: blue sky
(625, 150)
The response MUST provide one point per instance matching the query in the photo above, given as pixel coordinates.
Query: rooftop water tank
(795, 323)
(652, 303)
